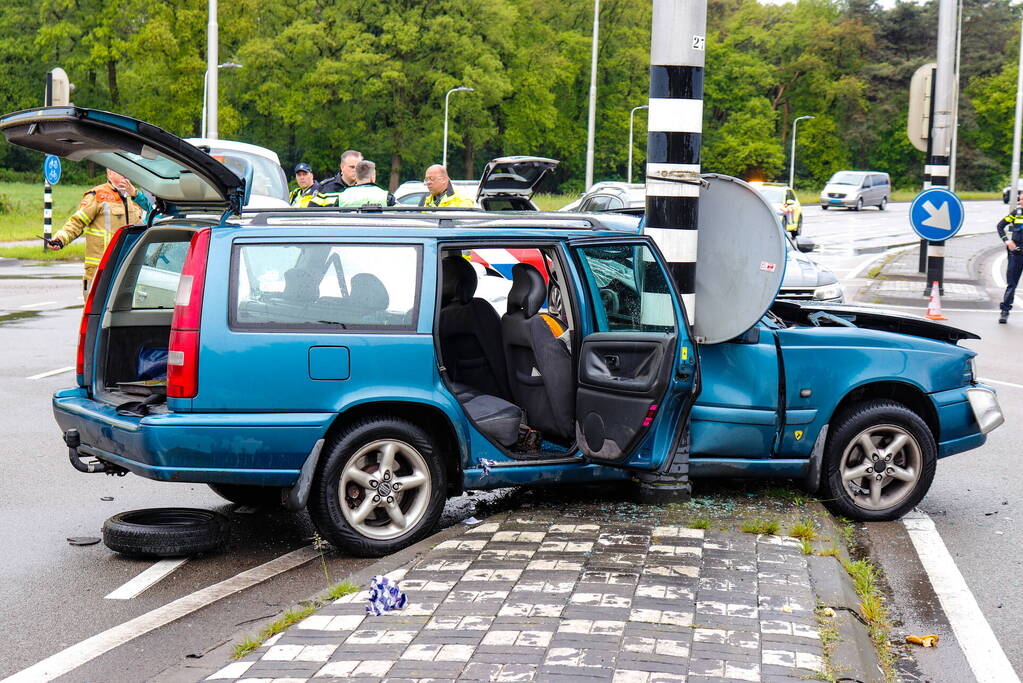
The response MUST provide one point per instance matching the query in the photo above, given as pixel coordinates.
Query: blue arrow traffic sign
(51, 169)
(936, 214)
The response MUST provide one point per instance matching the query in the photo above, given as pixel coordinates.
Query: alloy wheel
(881, 466)
(385, 489)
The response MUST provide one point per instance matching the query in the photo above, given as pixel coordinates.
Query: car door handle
(612, 361)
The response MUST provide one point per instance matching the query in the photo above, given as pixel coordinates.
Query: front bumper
(847, 202)
(261, 449)
(965, 416)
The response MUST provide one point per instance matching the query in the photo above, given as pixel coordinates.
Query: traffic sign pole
(47, 212)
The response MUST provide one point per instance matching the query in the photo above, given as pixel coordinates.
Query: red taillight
(183, 349)
(83, 327)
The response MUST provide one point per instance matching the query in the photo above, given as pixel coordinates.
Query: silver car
(856, 189)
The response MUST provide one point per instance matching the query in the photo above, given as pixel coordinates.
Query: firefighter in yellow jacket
(103, 210)
(440, 191)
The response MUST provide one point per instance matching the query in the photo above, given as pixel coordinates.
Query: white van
(856, 189)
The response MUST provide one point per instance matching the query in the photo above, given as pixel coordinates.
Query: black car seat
(469, 332)
(368, 300)
(539, 364)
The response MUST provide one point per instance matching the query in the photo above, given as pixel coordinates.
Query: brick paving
(537, 599)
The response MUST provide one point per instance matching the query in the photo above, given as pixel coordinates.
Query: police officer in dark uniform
(1010, 231)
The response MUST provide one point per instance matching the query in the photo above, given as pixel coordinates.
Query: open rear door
(178, 174)
(638, 367)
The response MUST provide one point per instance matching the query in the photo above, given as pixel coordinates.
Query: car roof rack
(448, 217)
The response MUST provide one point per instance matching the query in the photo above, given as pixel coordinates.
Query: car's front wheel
(378, 488)
(859, 204)
(824, 207)
(799, 225)
(878, 462)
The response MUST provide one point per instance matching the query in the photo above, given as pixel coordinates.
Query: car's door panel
(636, 359)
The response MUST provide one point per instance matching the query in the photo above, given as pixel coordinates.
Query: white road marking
(41, 303)
(147, 579)
(75, 656)
(998, 381)
(978, 641)
(51, 373)
(923, 308)
(997, 270)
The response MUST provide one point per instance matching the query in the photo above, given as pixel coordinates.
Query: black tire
(166, 532)
(799, 225)
(418, 456)
(883, 205)
(824, 207)
(882, 421)
(859, 204)
(255, 496)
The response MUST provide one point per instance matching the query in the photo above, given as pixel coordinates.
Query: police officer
(1010, 231)
(331, 188)
(365, 191)
(441, 192)
(307, 185)
(102, 211)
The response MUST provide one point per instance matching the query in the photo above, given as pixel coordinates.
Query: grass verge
(292, 617)
(551, 202)
(760, 526)
(865, 577)
(73, 252)
(21, 208)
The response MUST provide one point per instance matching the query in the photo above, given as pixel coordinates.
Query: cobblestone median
(535, 599)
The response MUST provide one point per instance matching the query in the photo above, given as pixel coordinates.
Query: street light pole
(444, 153)
(792, 156)
(592, 123)
(628, 177)
(1014, 192)
(204, 128)
(212, 57)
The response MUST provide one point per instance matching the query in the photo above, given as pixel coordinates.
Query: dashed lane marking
(51, 373)
(147, 579)
(41, 303)
(998, 381)
(75, 656)
(978, 641)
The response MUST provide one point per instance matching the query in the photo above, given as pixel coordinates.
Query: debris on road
(923, 641)
(384, 596)
(82, 540)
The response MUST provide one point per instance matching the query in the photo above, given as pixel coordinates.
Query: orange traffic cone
(934, 305)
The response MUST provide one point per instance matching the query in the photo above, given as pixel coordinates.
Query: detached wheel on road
(255, 496)
(378, 488)
(166, 532)
(879, 461)
(883, 205)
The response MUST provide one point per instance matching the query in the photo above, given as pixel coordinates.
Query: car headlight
(832, 291)
(985, 407)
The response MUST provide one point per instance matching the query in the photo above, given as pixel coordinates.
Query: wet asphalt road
(53, 595)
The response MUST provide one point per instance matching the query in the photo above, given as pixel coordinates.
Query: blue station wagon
(343, 361)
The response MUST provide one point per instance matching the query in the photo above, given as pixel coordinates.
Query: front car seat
(539, 364)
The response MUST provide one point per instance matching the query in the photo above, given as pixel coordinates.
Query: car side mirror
(805, 245)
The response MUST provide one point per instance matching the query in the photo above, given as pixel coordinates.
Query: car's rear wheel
(883, 205)
(878, 462)
(799, 225)
(378, 488)
(255, 496)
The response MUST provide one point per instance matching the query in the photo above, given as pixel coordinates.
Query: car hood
(518, 176)
(846, 189)
(801, 271)
(873, 319)
(180, 175)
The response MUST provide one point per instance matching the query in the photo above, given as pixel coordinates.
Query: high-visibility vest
(360, 195)
(446, 198)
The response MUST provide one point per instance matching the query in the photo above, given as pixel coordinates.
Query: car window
(411, 199)
(775, 195)
(325, 286)
(846, 178)
(156, 280)
(268, 178)
(596, 203)
(615, 203)
(629, 289)
(790, 196)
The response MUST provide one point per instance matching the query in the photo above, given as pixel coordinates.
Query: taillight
(83, 327)
(183, 348)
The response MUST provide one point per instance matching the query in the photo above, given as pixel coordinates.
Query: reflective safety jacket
(446, 198)
(1011, 228)
(360, 195)
(328, 191)
(102, 211)
(302, 196)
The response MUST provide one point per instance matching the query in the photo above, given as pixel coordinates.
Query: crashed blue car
(368, 364)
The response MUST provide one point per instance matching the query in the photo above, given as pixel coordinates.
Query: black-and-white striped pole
(675, 125)
(47, 212)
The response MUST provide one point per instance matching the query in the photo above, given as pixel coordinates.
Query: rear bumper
(265, 449)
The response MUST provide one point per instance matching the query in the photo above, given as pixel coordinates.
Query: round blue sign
(51, 169)
(936, 214)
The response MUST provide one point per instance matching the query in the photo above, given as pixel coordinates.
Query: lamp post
(592, 122)
(1016, 130)
(792, 159)
(210, 104)
(444, 153)
(628, 177)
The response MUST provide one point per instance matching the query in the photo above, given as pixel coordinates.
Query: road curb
(854, 652)
(222, 654)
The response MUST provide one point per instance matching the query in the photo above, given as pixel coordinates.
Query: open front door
(638, 365)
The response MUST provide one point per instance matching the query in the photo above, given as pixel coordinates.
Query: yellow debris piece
(924, 641)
